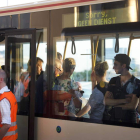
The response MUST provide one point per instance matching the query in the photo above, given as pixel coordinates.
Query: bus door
(20, 56)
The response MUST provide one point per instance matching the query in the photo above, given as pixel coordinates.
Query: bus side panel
(22, 127)
(45, 129)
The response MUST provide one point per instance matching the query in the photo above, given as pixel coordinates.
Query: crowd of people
(115, 100)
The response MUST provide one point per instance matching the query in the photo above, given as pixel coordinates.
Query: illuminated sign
(103, 17)
(97, 18)
(88, 16)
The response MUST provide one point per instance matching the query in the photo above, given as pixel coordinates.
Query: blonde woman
(63, 87)
(96, 100)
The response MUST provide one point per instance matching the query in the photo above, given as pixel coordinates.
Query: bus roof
(47, 5)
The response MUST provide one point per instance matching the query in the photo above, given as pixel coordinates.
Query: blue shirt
(96, 101)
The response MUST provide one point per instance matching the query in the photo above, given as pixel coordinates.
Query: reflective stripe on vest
(11, 133)
(13, 123)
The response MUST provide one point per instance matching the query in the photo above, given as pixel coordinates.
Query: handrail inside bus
(117, 43)
(96, 48)
(130, 41)
(65, 49)
(73, 47)
(92, 51)
(116, 29)
(129, 46)
(38, 42)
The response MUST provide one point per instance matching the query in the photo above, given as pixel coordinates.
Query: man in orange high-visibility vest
(8, 111)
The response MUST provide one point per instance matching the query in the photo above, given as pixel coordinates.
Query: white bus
(79, 29)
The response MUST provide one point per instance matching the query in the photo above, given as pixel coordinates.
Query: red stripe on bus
(45, 6)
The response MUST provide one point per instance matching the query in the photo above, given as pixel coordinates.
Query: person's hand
(110, 95)
(128, 98)
(72, 92)
(72, 114)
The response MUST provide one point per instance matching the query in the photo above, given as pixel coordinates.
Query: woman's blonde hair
(101, 68)
(68, 64)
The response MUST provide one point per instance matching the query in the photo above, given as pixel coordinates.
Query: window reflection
(67, 100)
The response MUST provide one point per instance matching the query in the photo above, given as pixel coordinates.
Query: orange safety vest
(12, 131)
(25, 83)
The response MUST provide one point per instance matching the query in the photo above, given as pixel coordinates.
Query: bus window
(80, 67)
(123, 48)
(41, 77)
(135, 59)
(110, 53)
(82, 57)
(20, 67)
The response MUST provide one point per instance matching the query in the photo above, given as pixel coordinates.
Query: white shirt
(5, 108)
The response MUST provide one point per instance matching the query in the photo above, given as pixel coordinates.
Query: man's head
(2, 76)
(7, 72)
(39, 63)
(121, 62)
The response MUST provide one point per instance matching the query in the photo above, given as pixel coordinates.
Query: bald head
(2, 76)
(79, 85)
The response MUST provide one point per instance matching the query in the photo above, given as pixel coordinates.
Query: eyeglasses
(58, 69)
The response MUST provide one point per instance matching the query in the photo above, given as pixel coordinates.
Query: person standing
(95, 103)
(64, 87)
(8, 111)
(24, 104)
(120, 92)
